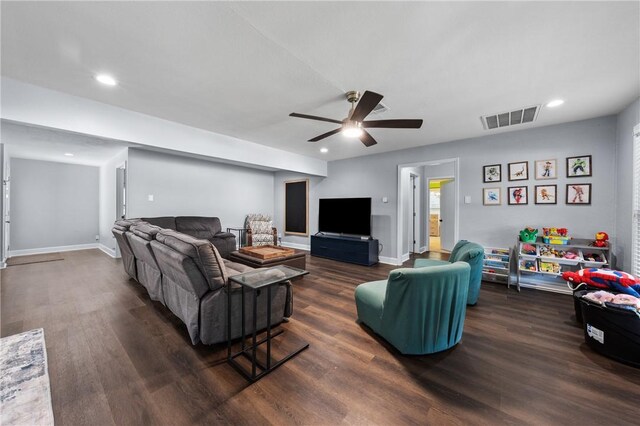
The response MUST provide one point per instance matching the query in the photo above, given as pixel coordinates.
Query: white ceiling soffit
(239, 68)
(37, 143)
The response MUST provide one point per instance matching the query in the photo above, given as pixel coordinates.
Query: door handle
(439, 220)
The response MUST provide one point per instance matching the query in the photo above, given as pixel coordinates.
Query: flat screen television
(350, 216)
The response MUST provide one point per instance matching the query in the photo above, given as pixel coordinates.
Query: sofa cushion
(203, 253)
(145, 230)
(165, 222)
(203, 228)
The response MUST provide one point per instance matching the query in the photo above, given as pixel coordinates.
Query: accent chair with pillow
(465, 251)
(420, 310)
(260, 230)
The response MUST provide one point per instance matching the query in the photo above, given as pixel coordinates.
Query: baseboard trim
(405, 257)
(296, 246)
(423, 249)
(107, 250)
(389, 260)
(44, 250)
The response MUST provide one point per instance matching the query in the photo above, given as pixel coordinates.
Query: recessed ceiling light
(68, 154)
(106, 79)
(324, 150)
(555, 103)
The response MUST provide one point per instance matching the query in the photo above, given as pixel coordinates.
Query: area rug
(25, 395)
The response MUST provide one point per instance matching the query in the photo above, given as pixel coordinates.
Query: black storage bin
(612, 331)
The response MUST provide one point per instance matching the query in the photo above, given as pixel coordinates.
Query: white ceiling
(239, 68)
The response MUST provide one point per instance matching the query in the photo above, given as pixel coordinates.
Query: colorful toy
(594, 257)
(528, 265)
(602, 239)
(551, 267)
(528, 249)
(555, 235)
(605, 279)
(528, 235)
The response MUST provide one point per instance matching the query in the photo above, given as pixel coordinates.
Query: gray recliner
(119, 231)
(195, 284)
(204, 228)
(140, 236)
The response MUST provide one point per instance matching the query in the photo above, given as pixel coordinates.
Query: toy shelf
(541, 277)
(496, 266)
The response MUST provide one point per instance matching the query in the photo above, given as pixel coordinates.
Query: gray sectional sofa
(184, 270)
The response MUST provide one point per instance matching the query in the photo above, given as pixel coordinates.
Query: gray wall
(108, 199)
(627, 119)
(376, 176)
(52, 204)
(184, 186)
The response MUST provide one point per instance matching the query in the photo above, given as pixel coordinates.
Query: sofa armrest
(224, 235)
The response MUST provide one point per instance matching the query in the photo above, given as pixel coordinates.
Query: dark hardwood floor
(115, 357)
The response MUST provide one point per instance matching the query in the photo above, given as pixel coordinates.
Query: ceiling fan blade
(393, 124)
(313, 117)
(325, 135)
(366, 104)
(367, 139)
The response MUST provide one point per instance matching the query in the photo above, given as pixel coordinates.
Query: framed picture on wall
(579, 166)
(546, 194)
(492, 173)
(546, 169)
(579, 193)
(518, 195)
(491, 196)
(519, 171)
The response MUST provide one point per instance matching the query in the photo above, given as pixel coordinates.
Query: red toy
(602, 239)
(605, 278)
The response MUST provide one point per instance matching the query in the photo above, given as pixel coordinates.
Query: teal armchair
(419, 311)
(465, 251)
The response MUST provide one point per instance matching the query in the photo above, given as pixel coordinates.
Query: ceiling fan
(354, 125)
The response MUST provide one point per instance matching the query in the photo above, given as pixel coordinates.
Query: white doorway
(445, 172)
(6, 218)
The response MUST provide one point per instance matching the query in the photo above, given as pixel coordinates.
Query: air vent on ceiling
(380, 108)
(504, 119)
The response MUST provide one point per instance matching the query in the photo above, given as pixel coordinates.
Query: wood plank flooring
(115, 357)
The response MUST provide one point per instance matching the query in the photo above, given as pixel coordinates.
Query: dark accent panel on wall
(296, 207)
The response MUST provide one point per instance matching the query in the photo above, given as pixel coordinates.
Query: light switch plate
(150, 197)
(467, 199)
(385, 200)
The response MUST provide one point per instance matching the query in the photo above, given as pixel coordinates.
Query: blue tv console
(345, 249)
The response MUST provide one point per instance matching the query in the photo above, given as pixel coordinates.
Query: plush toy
(601, 240)
(605, 279)
(528, 235)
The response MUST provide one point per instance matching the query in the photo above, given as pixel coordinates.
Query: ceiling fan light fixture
(352, 130)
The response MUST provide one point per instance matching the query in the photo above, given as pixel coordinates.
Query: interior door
(447, 214)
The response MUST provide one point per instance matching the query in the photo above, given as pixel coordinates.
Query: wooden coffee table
(267, 256)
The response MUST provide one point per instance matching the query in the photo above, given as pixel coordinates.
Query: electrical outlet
(150, 197)
(97, 237)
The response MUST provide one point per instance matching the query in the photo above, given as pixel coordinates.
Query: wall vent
(380, 108)
(504, 119)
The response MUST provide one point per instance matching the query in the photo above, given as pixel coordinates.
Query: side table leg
(269, 328)
(255, 331)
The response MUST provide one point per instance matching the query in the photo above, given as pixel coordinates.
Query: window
(635, 256)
